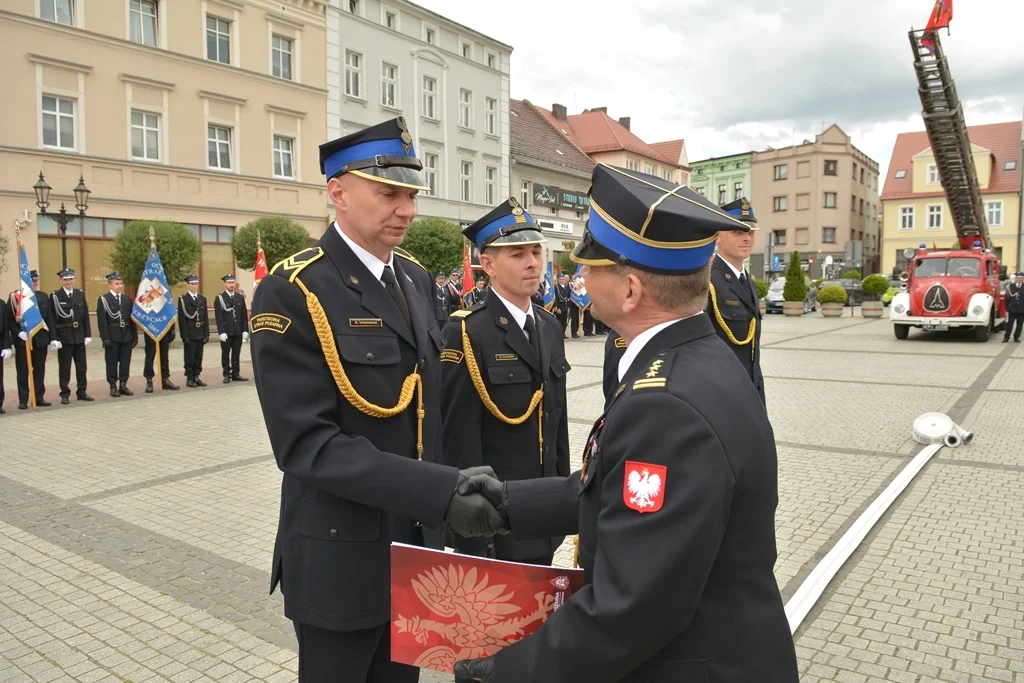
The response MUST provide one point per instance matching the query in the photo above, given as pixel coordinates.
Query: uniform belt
(199, 324)
(121, 322)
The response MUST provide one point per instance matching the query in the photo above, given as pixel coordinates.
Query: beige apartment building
(814, 198)
(205, 112)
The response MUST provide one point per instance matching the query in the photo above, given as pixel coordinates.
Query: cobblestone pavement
(122, 562)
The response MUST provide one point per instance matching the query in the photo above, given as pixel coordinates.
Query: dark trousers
(165, 365)
(229, 352)
(193, 358)
(563, 318)
(588, 322)
(38, 372)
(65, 355)
(119, 358)
(349, 656)
(1011, 320)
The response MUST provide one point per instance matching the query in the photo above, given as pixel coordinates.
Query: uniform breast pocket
(508, 373)
(560, 367)
(737, 318)
(371, 362)
(368, 349)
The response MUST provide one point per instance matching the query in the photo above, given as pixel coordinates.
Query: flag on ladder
(153, 308)
(941, 15)
(29, 318)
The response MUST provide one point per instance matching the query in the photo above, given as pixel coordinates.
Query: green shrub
(796, 286)
(852, 275)
(177, 246)
(762, 288)
(875, 285)
(818, 281)
(280, 237)
(833, 294)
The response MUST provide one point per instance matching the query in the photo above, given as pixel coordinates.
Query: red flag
(261, 261)
(940, 18)
(467, 272)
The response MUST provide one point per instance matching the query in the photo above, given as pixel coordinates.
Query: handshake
(479, 504)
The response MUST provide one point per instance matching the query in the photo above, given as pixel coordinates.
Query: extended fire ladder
(947, 134)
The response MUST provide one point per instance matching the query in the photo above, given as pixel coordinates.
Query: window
(524, 193)
(283, 157)
(632, 164)
(737, 190)
(994, 213)
(721, 194)
(649, 169)
(700, 191)
(465, 108)
(466, 174)
(830, 200)
(430, 35)
(492, 60)
(388, 85)
(1010, 166)
(935, 217)
(933, 174)
(353, 74)
(429, 88)
(900, 174)
(803, 169)
(466, 49)
(828, 235)
(218, 40)
(58, 122)
(391, 19)
(831, 168)
(218, 145)
(781, 171)
(803, 202)
(59, 11)
(802, 235)
(906, 218)
(353, 7)
(491, 116)
(853, 202)
(666, 174)
(430, 170)
(855, 170)
(861, 175)
(145, 135)
(490, 184)
(780, 237)
(142, 22)
(281, 57)
(862, 207)
(780, 204)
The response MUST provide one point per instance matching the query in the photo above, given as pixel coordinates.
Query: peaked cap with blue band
(741, 209)
(383, 153)
(506, 225)
(646, 222)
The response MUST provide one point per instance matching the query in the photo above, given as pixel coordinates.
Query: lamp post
(42, 190)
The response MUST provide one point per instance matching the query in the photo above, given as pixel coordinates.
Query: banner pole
(31, 378)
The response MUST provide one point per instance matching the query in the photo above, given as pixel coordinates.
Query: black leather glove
(135, 342)
(475, 669)
(493, 490)
(106, 343)
(471, 514)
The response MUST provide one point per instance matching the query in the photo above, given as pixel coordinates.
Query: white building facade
(451, 83)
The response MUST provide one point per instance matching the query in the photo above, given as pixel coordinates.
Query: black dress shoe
(64, 400)
(200, 383)
(227, 380)
(85, 397)
(169, 385)
(22, 406)
(239, 378)
(113, 391)
(149, 386)
(43, 404)
(2, 411)
(125, 391)
(1006, 340)
(190, 383)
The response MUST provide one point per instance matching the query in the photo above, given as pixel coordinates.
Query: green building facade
(724, 179)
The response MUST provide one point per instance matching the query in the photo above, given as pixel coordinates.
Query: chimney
(559, 111)
(603, 110)
(624, 122)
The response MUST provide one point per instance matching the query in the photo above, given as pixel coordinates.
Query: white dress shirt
(372, 263)
(640, 341)
(518, 314)
(737, 272)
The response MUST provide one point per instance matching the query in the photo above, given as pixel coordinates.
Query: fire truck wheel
(901, 331)
(981, 333)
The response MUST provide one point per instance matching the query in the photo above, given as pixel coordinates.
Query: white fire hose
(939, 428)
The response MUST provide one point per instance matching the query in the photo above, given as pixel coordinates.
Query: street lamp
(42, 190)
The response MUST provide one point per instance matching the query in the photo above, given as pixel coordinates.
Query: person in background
(233, 328)
(194, 326)
(74, 332)
(43, 340)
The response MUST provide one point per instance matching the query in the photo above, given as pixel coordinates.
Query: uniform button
(369, 355)
(511, 375)
(663, 353)
(334, 533)
(547, 415)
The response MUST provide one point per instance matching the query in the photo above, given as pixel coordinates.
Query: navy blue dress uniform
(194, 327)
(148, 370)
(675, 506)
(119, 335)
(563, 300)
(442, 302)
(733, 305)
(477, 295)
(614, 347)
(1014, 308)
(455, 301)
(233, 327)
(346, 367)
(40, 345)
(5, 350)
(74, 332)
(504, 399)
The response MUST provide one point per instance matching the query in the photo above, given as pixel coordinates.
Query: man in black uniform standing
(1014, 307)
(43, 338)
(74, 332)
(675, 505)
(194, 327)
(441, 300)
(478, 294)
(119, 334)
(503, 374)
(732, 301)
(562, 301)
(5, 353)
(232, 327)
(165, 366)
(345, 357)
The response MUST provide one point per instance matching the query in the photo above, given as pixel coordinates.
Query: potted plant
(762, 292)
(832, 299)
(795, 291)
(873, 286)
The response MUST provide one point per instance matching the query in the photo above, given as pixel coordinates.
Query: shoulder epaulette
(620, 343)
(461, 313)
(293, 265)
(541, 308)
(656, 374)
(409, 257)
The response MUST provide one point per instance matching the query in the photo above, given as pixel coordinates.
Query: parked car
(774, 300)
(894, 287)
(853, 291)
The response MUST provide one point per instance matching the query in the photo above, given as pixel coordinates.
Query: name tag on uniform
(505, 356)
(731, 303)
(267, 322)
(365, 322)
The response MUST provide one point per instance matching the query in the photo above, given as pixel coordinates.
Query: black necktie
(531, 332)
(395, 292)
(743, 278)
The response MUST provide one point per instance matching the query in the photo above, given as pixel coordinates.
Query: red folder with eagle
(446, 607)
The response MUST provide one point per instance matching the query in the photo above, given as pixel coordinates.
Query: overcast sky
(732, 76)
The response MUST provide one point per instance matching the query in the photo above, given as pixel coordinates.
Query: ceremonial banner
(579, 294)
(940, 17)
(549, 287)
(153, 308)
(467, 272)
(28, 315)
(261, 263)
(446, 607)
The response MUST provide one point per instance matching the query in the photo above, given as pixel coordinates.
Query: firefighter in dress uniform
(346, 352)
(74, 332)
(1014, 307)
(5, 353)
(441, 300)
(478, 294)
(233, 328)
(733, 302)
(563, 300)
(119, 334)
(675, 505)
(43, 340)
(165, 365)
(194, 327)
(503, 372)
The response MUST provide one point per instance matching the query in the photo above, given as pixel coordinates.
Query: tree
(5, 246)
(566, 262)
(436, 243)
(178, 248)
(874, 286)
(280, 237)
(796, 287)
